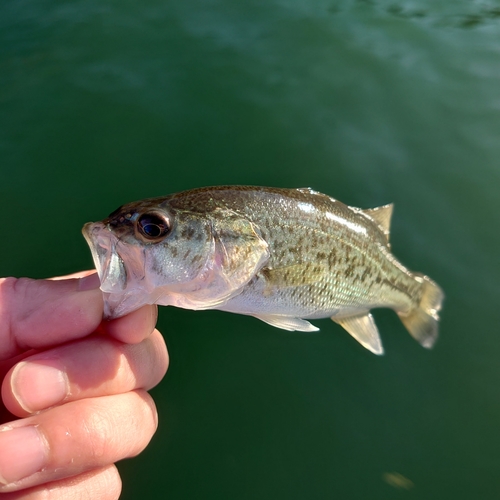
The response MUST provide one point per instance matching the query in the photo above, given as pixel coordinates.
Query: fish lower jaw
(120, 304)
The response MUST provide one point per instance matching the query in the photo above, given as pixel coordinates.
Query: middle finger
(95, 366)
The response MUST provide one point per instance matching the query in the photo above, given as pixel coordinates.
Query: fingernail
(24, 452)
(38, 384)
(90, 282)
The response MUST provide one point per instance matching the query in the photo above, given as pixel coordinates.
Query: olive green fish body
(281, 255)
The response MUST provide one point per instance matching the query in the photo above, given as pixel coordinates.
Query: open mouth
(120, 267)
(110, 266)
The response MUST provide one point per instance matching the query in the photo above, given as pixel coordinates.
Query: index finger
(40, 313)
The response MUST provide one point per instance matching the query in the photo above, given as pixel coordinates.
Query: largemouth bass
(284, 256)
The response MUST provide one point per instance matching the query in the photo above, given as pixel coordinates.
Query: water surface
(369, 101)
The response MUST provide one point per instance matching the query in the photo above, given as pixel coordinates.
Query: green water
(369, 101)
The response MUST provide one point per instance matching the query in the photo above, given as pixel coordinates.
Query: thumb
(38, 313)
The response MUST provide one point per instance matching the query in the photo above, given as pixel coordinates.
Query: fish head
(146, 252)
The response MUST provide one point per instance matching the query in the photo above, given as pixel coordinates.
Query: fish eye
(153, 226)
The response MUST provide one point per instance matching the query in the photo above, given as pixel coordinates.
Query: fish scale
(282, 255)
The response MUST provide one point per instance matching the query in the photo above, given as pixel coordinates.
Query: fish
(284, 256)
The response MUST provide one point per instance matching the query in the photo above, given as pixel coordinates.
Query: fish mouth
(121, 270)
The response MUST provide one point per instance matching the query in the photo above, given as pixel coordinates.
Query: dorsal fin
(307, 190)
(382, 216)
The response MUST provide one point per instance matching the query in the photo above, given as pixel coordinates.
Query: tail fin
(422, 322)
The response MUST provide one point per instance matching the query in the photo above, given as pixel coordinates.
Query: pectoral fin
(364, 330)
(240, 251)
(287, 323)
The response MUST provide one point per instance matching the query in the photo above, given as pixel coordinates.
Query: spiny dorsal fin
(315, 193)
(382, 216)
(307, 190)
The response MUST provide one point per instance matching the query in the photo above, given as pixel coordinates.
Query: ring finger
(95, 366)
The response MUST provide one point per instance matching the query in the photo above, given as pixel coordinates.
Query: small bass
(284, 256)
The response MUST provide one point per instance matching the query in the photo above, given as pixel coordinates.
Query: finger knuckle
(121, 430)
(106, 485)
(145, 420)
(98, 433)
(12, 292)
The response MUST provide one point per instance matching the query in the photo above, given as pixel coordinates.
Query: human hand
(78, 385)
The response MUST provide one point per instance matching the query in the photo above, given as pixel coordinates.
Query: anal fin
(364, 330)
(287, 322)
